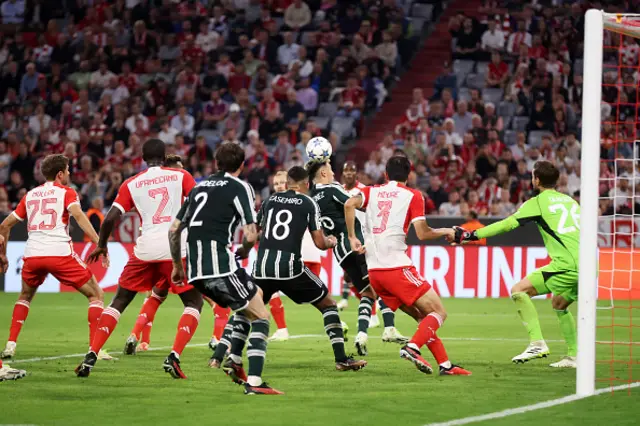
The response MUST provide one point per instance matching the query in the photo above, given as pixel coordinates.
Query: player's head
(349, 173)
(174, 161)
(280, 181)
(55, 168)
(298, 179)
(153, 151)
(320, 172)
(545, 175)
(230, 157)
(398, 168)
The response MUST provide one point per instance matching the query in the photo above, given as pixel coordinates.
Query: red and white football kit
(48, 249)
(390, 209)
(157, 194)
(311, 255)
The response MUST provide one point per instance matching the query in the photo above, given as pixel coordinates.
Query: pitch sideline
(526, 408)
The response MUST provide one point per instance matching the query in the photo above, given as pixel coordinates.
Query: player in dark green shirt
(558, 218)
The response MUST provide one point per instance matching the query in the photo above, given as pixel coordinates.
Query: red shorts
(314, 267)
(400, 286)
(141, 275)
(69, 270)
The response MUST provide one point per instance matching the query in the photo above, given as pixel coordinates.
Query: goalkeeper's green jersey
(558, 218)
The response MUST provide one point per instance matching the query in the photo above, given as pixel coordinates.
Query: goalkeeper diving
(558, 218)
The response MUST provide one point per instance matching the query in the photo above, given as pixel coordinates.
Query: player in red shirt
(157, 195)
(48, 250)
(390, 210)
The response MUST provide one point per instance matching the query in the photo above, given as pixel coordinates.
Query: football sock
(146, 333)
(106, 325)
(528, 315)
(364, 313)
(20, 312)
(186, 329)
(0, 363)
(277, 311)
(225, 341)
(374, 308)
(93, 316)
(239, 336)
(345, 290)
(439, 352)
(388, 317)
(568, 328)
(257, 350)
(426, 331)
(221, 318)
(333, 328)
(147, 313)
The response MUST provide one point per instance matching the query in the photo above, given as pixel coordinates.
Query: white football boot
(8, 373)
(392, 335)
(361, 343)
(535, 350)
(565, 362)
(342, 304)
(280, 335)
(9, 350)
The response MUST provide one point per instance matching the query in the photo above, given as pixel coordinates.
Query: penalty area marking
(305, 336)
(526, 408)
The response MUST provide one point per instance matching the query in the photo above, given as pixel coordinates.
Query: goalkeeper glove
(462, 235)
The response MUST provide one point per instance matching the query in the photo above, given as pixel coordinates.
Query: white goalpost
(589, 198)
(619, 59)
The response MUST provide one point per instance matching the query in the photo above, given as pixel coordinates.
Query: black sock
(345, 290)
(257, 350)
(240, 334)
(225, 340)
(333, 328)
(388, 316)
(364, 313)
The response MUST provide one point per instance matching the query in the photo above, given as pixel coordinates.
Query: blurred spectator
(467, 42)
(493, 38)
(462, 119)
(436, 192)
(498, 73)
(452, 206)
(518, 38)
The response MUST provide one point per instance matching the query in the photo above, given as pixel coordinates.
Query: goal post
(589, 199)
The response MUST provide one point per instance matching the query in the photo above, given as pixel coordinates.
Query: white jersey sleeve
(390, 209)
(353, 192)
(46, 209)
(310, 253)
(157, 194)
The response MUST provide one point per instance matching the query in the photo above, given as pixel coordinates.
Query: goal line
(533, 407)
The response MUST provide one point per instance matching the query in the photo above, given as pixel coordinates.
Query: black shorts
(305, 288)
(355, 265)
(230, 291)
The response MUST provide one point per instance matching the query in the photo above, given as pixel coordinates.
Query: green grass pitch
(481, 335)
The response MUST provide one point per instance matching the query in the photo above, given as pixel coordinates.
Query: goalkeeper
(558, 218)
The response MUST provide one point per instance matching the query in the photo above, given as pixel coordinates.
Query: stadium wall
(465, 272)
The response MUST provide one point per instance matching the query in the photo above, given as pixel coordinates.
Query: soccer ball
(319, 149)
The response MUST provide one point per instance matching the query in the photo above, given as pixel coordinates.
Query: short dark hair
(350, 165)
(230, 157)
(547, 173)
(297, 174)
(172, 160)
(398, 168)
(153, 150)
(52, 165)
(473, 214)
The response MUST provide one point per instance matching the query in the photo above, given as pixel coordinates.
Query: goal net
(609, 302)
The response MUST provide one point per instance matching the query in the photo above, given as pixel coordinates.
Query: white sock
(254, 380)
(389, 329)
(235, 358)
(446, 364)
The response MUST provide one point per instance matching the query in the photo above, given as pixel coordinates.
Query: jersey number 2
(384, 208)
(164, 192)
(42, 207)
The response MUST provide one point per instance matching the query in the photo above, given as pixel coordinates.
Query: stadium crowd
(96, 83)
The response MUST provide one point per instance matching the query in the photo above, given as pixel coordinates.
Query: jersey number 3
(564, 215)
(384, 208)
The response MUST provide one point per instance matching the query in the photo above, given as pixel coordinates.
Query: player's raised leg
(221, 318)
(18, 318)
(277, 311)
(192, 300)
(8, 373)
(145, 319)
(224, 344)
(521, 295)
(94, 294)
(390, 333)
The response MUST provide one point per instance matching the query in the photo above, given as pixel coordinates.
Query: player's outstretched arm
(5, 228)
(84, 222)
(424, 232)
(350, 207)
